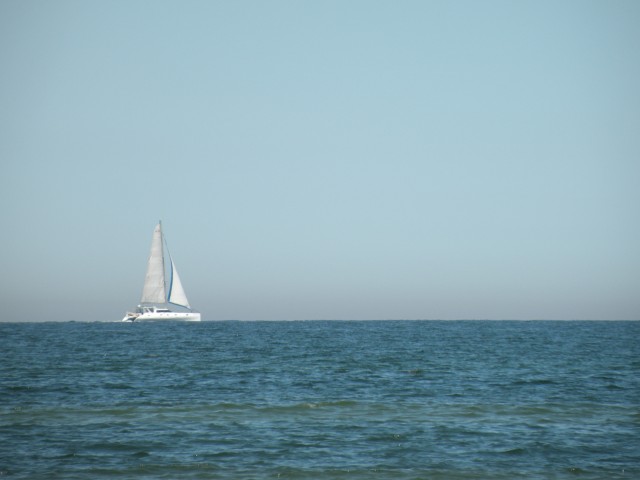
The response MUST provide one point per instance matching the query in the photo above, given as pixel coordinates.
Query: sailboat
(159, 302)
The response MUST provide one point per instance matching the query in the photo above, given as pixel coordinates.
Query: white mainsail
(153, 290)
(176, 291)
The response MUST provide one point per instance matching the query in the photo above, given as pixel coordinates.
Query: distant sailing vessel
(157, 303)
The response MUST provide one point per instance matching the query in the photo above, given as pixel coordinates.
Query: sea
(320, 400)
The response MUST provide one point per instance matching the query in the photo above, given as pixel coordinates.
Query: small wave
(334, 403)
(535, 381)
(140, 454)
(118, 386)
(110, 447)
(310, 406)
(613, 386)
(19, 388)
(576, 471)
(515, 451)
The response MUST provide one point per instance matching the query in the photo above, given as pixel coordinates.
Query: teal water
(320, 400)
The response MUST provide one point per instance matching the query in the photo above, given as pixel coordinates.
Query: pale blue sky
(322, 160)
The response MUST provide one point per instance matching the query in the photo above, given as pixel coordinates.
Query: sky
(322, 160)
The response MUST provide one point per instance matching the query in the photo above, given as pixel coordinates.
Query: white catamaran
(157, 303)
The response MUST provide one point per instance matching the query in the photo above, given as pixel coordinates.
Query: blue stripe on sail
(170, 280)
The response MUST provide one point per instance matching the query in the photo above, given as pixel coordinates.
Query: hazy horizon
(322, 160)
(363, 320)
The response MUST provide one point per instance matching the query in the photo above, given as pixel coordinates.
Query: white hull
(189, 317)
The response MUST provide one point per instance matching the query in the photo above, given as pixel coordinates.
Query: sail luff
(154, 285)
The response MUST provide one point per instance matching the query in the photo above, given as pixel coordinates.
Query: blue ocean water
(320, 400)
